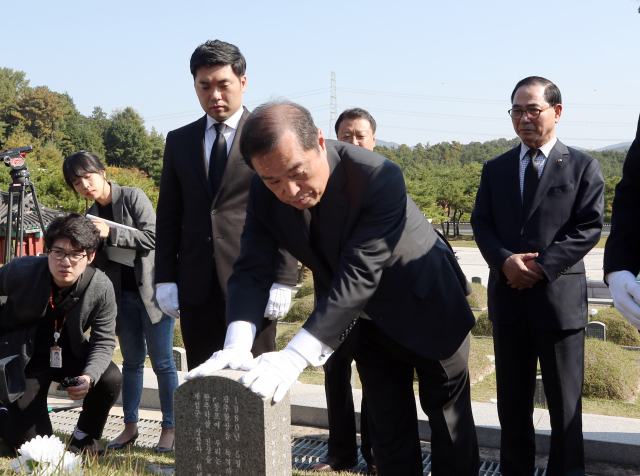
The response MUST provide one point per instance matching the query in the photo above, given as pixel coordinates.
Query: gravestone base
(223, 428)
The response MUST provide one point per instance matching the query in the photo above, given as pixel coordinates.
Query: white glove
(275, 371)
(167, 296)
(279, 301)
(236, 353)
(625, 291)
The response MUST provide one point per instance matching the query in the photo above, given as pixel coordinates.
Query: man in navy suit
(538, 211)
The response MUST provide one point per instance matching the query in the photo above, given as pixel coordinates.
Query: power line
(471, 100)
(333, 109)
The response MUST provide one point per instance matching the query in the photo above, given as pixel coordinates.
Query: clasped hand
(625, 291)
(522, 271)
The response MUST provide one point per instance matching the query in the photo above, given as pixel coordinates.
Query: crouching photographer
(52, 302)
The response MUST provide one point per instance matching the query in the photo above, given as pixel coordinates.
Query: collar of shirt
(541, 160)
(229, 133)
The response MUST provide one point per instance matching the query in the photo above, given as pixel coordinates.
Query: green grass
(132, 462)
(466, 241)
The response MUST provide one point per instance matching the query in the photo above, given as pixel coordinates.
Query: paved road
(473, 264)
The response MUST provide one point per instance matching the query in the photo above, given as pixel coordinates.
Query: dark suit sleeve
(169, 219)
(483, 224)
(286, 271)
(586, 217)
(364, 257)
(252, 277)
(622, 251)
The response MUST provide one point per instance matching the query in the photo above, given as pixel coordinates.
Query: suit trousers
(561, 352)
(386, 370)
(342, 422)
(29, 413)
(204, 328)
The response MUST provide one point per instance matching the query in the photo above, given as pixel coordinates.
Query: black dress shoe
(86, 445)
(371, 469)
(329, 464)
(165, 449)
(119, 446)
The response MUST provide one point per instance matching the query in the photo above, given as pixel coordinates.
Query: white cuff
(239, 334)
(281, 286)
(614, 274)
(305, 344)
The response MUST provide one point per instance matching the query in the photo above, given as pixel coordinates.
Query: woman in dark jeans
(139, 317)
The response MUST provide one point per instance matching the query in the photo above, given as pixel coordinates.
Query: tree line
(442, 178)
(51, 123)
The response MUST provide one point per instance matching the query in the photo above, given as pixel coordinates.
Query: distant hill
(621, 147)
(390, 145)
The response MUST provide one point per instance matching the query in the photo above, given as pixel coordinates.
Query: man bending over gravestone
(52, 302)
(343, 211)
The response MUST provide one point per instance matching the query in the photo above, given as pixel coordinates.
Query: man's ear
(90, 257)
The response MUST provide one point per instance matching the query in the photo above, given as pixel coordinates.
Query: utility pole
(333, 109)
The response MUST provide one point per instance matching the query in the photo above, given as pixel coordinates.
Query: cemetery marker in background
(223, 428)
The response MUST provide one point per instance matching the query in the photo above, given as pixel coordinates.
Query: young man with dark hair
(201, 211)
(52, 301)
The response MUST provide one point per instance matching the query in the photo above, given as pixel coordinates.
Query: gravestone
(476, 279)
(180, 358)
(223, 428)
(597, 330)
(539, 398)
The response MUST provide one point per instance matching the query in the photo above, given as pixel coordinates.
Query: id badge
(55, 357)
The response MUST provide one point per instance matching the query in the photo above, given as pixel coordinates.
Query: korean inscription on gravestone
(222, 428)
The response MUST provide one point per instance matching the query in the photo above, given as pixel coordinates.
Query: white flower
(46, 456)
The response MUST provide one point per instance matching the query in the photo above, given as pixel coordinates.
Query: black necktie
(530, 180)
(218, 158)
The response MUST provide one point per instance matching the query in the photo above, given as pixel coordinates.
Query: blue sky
(427, 71)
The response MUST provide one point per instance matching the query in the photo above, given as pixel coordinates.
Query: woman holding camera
(139, 317)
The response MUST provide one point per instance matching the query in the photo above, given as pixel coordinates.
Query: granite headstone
(223, 428)
(597, 330)
(476, 279)
(180, 359)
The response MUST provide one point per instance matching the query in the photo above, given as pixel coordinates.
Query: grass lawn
(465, 241)
(131, 462)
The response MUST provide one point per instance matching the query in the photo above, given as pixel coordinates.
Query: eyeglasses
(59, 255)
(531, 113)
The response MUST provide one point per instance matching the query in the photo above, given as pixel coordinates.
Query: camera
(68, 382)
(14, 158)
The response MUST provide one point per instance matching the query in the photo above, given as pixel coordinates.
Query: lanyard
(56, 334)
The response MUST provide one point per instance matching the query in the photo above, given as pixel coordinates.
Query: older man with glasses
(52, 301)
(538, 211)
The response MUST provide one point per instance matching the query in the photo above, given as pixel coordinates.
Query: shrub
(478, 297)
(609, 372)
(483, 327)
(300, 310)
(177, 335)
(619, 330)
(285, 334)
(305, 290)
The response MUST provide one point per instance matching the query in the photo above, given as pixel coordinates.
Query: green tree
(41, 111)
(126, 141)
(12, 85)
(154, 170)
(609, 193)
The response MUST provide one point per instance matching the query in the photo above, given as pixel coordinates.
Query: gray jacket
(27, 284)
(132, 207)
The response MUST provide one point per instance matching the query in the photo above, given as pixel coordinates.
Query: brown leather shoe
(329, 464)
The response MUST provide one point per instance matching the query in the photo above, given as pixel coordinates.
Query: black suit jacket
(381, 257)
(563, 225)
(193, 225)
(622, 251)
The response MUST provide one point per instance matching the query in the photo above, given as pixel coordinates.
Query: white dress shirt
(229, 133)
(541, 160)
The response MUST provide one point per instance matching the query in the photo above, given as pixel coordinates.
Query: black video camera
(14, 158)
(68, 382)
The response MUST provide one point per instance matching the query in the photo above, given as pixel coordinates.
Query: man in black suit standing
(201, 211)
(343, 211)
(622, 253)
(538, 211)
(354, 126)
